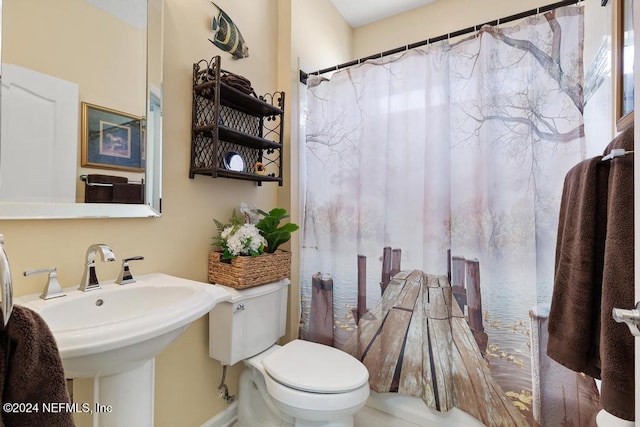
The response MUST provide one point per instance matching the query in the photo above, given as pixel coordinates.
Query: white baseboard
(225, 418)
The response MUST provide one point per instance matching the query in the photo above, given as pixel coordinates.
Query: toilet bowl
(311, 384)
(301, 383)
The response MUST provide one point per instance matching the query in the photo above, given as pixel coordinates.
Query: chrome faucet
(53, 288)
(89, 278)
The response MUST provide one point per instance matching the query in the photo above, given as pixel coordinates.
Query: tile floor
(371, 417)
(367, 417)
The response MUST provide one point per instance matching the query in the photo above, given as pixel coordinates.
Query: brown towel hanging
(616, 343)
(31, 372)
(595, 273)
(128, 193)
(101, 193)
(112, 189)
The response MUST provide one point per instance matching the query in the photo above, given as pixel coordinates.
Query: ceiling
(362, 12)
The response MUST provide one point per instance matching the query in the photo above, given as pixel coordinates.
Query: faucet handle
(125, 275)
(53, 288)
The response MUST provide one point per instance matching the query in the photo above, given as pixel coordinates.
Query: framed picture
(111, 139)
(623, 63)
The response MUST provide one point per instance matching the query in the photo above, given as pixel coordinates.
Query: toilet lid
(316, 368)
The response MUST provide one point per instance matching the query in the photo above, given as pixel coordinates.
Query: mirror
(55, 57)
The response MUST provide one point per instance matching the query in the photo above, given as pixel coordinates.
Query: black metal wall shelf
(227, 121)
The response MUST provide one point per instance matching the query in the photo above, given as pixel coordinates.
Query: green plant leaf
(279, 213)
(290, 227)
(270, 228)
(226, 255)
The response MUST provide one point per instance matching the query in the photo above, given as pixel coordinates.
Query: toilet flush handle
(630, 317)
(239, 307)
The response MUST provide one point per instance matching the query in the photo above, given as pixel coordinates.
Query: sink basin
(120, 327)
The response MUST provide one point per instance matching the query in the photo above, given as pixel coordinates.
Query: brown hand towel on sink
(31, 372)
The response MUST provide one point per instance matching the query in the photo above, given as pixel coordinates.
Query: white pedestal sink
(113, 334)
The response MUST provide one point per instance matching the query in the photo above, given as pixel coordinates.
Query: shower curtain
(432, 188)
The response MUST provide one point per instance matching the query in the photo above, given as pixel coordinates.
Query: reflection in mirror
(56, 56)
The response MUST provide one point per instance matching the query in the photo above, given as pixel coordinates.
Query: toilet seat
(316, 406)
(306, 404)
(315, 368)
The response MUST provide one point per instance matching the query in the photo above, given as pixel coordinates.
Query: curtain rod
(542, 9)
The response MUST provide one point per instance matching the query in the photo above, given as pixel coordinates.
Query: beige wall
(279, 33)
(322, 37)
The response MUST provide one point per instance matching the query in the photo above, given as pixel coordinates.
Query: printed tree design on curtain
(528, 108)
(531, 105)
(459, 147)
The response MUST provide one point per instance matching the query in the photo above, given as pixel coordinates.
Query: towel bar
(630, 317)
(106, 184)
(616, 152)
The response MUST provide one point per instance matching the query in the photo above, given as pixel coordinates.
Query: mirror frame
(621, 16)
(20, 210)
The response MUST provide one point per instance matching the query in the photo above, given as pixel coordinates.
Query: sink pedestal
(125, 399)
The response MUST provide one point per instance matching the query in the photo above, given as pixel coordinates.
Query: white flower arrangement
(254, 233)
(241, 240)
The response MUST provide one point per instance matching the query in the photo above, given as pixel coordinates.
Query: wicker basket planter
(246, 271)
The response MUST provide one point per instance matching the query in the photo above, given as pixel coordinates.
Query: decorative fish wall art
(226, 35)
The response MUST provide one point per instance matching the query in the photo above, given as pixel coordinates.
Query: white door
(38, 138)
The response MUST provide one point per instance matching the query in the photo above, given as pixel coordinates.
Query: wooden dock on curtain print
(430, 351)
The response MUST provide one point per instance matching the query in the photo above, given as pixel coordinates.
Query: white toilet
(298, 384)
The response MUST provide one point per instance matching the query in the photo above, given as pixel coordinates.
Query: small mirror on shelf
(233, 161)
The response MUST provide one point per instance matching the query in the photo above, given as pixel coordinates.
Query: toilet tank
(253, 320)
